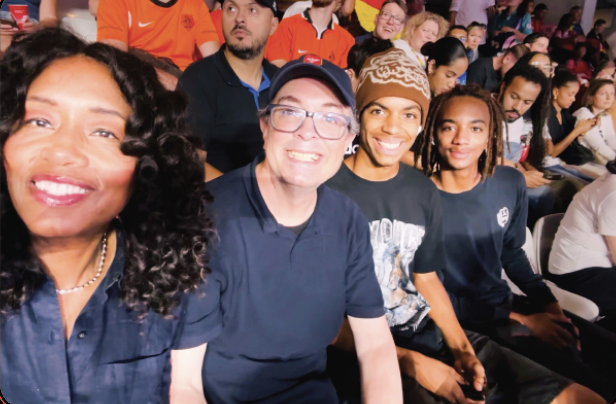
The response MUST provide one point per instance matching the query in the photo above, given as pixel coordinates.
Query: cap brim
(309, 70)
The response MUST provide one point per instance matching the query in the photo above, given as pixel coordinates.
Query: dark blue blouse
(110, 357)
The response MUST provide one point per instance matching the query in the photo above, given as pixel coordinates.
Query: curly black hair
(426, 151)
(165, 223)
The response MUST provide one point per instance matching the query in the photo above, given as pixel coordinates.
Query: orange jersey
(170, 30)
(217, 20)
(296, 36)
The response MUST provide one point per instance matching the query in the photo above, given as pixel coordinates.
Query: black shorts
(512, 378)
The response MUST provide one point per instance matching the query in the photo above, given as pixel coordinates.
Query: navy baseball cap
(317, 67)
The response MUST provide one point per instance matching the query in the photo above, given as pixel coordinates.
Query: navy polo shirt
(283, 295)
(110, 357)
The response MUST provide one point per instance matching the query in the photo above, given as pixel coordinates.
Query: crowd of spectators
(278, 206)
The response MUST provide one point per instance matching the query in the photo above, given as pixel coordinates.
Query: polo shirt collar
(306, 16)
(316, 224)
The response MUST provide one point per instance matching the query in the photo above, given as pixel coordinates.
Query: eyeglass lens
(327, 125)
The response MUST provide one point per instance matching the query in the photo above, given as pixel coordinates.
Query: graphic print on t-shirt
(394, 246)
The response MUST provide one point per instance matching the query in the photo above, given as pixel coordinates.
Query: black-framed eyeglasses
(397, 20)
(328, 125)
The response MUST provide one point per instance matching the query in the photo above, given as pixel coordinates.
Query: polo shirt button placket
(81, 335)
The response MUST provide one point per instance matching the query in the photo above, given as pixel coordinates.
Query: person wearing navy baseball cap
(293, 257)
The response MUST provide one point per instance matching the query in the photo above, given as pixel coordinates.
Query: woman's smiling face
(66, 174)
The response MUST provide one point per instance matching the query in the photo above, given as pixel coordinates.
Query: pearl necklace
(101, 263)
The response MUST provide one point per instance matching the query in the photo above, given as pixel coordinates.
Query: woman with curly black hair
(104, 230)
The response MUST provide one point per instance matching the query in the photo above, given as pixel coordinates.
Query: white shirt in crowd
(299, 7)
(416, 57)
(471, 10)
(580, 242)
(600, 139)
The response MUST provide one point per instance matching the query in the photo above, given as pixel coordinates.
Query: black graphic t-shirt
(405, 220)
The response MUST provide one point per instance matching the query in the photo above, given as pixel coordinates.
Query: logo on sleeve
(188, 22)
(502, 217)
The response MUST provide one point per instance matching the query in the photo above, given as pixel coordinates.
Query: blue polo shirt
(110, 357)
(283, 295)
(264, 85)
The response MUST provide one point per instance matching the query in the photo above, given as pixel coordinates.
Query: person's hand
(436, 377)
(467, 365)
(28, 25)
(545, 327)
(8, 30)
(534, 179)
(587, 124)
(508, 29)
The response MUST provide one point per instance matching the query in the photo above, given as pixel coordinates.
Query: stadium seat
(571, 302)
(544, 233)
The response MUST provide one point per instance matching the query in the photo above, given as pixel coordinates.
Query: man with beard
(226, 90)
(311, 32)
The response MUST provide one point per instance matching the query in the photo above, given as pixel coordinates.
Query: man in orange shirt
(314, 32)
(164, 28)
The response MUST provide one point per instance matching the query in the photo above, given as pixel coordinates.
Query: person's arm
(611, 243)
(514, 259)
(582, 126)
(596, 143)
(346, 8)
(207, 37)
(376, 353)
(453, 11)
(112, 24)
(48, 13)
(186, 382)
(278, 50)
(441, 311)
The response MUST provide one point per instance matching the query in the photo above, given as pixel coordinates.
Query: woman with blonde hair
(420, 29)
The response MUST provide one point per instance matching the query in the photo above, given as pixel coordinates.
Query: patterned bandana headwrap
(393, 74)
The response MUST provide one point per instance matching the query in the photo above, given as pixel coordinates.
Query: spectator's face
(565, 95)
(426, 32)
(540, 15)
(543, 63)
(518, 97)
(303, 159)
(462, 132)
(599, 28)
(607, 73)
(577, 15)
(389, 128)
(514, 3)
(604, 98)
(474, 37)
(460, 34)
(540, 45)
(389, 22)
(443, 78)
(246, 26)
(65, 172)
(530, 7)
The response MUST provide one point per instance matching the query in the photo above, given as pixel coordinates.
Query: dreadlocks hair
(538, 111)
(426, 142)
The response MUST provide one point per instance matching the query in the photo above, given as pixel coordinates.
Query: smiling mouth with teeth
(59, 189)
(388, 145)
(303, 156)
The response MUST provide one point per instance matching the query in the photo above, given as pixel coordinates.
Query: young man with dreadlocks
(404, 211)
(525, 89)
(484, 225)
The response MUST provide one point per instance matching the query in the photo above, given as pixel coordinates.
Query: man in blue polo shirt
(226, 90)
(294, 257)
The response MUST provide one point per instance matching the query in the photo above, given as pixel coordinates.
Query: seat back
(543, 236)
